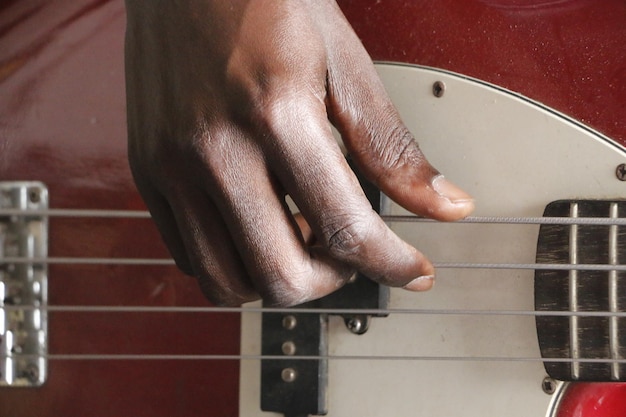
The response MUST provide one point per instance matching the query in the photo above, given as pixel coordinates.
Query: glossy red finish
(62, 121)
(593, 400)
(567, 54)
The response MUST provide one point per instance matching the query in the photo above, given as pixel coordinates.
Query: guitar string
(169, 262)
(392, 218)
(130, 214)
(286, 358)
(111, 309)
(441, 265)
(438, 265)
(139, 214)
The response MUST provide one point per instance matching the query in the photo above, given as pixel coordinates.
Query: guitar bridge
(23, 280)
(590, 336)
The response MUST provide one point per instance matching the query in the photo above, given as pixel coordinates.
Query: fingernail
(449, 191)
(422, 283)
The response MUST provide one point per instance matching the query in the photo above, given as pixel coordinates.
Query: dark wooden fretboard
(592, 343)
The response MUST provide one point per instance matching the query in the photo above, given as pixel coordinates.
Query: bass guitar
(521, 102)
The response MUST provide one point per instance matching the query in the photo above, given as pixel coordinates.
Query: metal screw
(439, 88)
(620, 172)
(289, 348)
(32, 373)
(34, 196)
(289, 375)
(357, 324)
(290, 322)
(548, 385)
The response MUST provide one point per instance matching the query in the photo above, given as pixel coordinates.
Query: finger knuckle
(272, 109)
(288, 284)
(282, 105)
(345, 236)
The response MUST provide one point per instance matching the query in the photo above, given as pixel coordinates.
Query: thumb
(389, 156)
(381, 145)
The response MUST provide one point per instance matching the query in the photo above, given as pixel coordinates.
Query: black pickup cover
(306, 394)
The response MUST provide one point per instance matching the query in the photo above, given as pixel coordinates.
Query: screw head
(290, 322)
(620, 172)
(289, 348)
(289, 375)
(548, 385)
(357, 324)
(34, 195)
(439, 88)
(32, 373)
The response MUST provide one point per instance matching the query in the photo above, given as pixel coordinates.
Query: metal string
(303, 310)
(242, 357)
(134, 214)
(440, 265)
(139, 214)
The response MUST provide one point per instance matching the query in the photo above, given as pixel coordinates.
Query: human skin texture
(229, 106)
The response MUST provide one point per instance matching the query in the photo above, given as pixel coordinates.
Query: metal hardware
(289, 375)
(23, 287)
(294, 386)
(290, 322)
(289, 348)
(620, 172)
(357, 324)
(439, 88)
(549, 385)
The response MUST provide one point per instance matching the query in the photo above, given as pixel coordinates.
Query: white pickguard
(514, 156)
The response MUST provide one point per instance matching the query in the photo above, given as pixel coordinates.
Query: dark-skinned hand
(229, 105)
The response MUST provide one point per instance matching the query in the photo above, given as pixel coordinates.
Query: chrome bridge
(23, 284)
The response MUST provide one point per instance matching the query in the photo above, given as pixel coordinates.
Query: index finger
(304, 155)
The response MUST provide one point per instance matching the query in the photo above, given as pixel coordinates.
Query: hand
(228, 109)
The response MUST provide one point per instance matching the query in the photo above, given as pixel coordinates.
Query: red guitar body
(62, 122)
